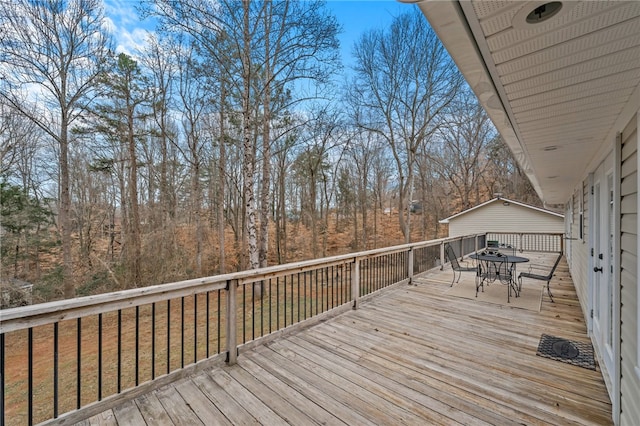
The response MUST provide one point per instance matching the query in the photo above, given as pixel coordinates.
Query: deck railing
(90, 352)
(529, 241)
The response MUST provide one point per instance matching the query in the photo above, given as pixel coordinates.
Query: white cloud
(123, 21)
(131, 42)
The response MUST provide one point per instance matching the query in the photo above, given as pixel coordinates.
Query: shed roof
(503, 200)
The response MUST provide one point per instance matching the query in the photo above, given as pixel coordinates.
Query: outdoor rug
(496, 293)
(569, 351)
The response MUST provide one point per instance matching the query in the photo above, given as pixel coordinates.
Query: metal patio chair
(455, 265)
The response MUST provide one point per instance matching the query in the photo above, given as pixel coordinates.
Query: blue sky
(355, 16)
(358, 16)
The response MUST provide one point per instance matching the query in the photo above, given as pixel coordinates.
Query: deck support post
(355, 282)
(232, 307)
(442, 256)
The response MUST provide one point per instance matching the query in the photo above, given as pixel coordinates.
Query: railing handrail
(525, 233)
(24, 317)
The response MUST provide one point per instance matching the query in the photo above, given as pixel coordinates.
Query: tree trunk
(65, 210)
(266, 162)
(133, 199)
(248, 145)
(221, 182)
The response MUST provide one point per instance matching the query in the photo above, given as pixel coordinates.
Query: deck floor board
(414, 355)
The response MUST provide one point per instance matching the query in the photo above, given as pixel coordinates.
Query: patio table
(494, 265)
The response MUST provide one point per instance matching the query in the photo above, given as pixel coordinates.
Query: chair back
(504, 272)
(451, 256)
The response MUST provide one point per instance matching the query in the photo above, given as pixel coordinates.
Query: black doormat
(576, 353)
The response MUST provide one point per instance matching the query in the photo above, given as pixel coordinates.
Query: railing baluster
(285, 301)
(79, 363)
(371, 278)
(293, 304)
(253, 311)
(244, 311)
(270, 305)
(304, 289)
(153, 340)
(262, 308)
(232, 353)
(55, 370)
(373, 275)
(277, 303)
(392, 276)
(137, 345)
(355, 282)
(325, 285)
(206, 320)
(387, 268)
(168, 336)
(390, 268)
(2, 372)
(298, 282)
(329, 287)
(195, 328)
(363, 277)
(100, 357)
(219, 321)
(119, 380)
(316, 285)
(182, 332)
(30, 377)
(321, 282)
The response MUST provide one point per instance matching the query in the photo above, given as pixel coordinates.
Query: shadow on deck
(415, 355)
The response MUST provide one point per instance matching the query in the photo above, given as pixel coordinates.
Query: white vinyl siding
(496, 217)
(630, 346)
(579, 265)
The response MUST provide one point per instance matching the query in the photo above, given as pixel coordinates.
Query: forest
(235, 139)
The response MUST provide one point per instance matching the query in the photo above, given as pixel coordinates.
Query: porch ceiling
(557, 90)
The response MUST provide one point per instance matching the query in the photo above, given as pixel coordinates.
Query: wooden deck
(414, 355)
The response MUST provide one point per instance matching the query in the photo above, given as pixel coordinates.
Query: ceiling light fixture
(536, 12)
(544, 12)
(550, 148)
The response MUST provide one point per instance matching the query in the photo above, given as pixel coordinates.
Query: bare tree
(313, 169)
(194, 99)
(159, 59)
(52, 53)
(459, 153)
(366, 155)
(299, 43)
(503, 174)
(268, 46)
(404, 81)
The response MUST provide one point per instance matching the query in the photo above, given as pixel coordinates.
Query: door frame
(610, 169)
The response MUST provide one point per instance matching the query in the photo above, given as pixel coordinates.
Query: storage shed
(503, 215)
